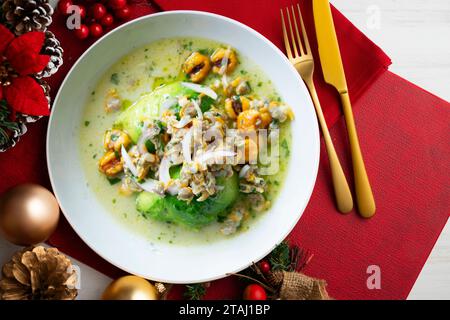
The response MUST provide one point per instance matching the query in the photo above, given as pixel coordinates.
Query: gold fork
(301, 58)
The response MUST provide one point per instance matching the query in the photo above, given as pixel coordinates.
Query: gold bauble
(130, 288)
(29, 214)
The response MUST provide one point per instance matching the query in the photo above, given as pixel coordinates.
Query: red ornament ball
(255, 292)
(96, 30)
(123, 13)
(117, 4)
(64, 5)
(107, 20)
(98, 11)
(264, 266)
(82, 11)
(82, 32)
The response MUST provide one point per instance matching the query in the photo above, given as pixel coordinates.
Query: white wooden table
(415, 35)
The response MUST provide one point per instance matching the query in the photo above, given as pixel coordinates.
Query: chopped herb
(285, 146)
(260, 84)
(93, 93)
(206, 103)
(114, 201)
(91, 145)
(86, 123)
(114, 137)
(113, 181)
(94, 156)
(146, 49)
(206, 52)
(115, 79)
(150, 146)
(244, 72)
(126, 104)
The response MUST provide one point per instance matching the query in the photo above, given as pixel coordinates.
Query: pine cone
(27, 15)
(52, 47)
(38, 274)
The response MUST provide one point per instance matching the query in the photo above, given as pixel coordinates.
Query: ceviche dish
(186, 140)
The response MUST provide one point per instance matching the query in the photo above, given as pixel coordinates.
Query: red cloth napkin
(406, 160)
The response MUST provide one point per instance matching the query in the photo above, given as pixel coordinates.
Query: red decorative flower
(19, 59)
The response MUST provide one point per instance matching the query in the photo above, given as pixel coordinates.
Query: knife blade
(329, 52)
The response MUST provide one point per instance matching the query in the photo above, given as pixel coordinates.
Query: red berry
(96, 30)
(123, 13)
(264, 266)
(82, 32)
(82, 11)
(98, 11)
(107, 20)
(116, 4)
(64, 5)
(255, 292)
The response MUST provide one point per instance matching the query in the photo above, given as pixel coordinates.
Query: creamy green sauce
(139, 73)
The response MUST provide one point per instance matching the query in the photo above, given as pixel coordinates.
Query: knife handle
(364, 195)
(342, 191)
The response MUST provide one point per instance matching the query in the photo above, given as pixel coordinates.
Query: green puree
(134, 77)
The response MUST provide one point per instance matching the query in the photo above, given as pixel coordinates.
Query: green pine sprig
(6, 125)
(195, 291)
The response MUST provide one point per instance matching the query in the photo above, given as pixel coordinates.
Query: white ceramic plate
(118, 244)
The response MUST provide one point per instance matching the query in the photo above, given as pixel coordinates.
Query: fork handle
(342, 192)
(364, 195)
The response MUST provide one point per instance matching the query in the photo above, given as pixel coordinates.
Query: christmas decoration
(29, 214)
(28, 53)
(82, 32)
(283, 279)
(27, 15)
(196, 291)
(255, 292)
(96, 16)
(52, 47)
(96, 30)
(64, 5)
(38, 274)
(131, 288)
(264, 266)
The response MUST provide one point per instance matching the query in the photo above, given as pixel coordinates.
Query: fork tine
(299, 39)
(292, 33)
(305, 35)
(285, 36)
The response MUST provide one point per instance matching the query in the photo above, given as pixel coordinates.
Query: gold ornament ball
(130, 288)
(29, 214)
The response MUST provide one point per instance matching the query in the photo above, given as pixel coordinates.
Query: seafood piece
(197, 67)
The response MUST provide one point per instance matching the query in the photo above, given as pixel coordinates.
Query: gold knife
(333, 72)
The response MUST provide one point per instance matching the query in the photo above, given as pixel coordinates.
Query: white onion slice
(183, 122)
(224, 64)
(150, 185)
(199, 111)
(225, 81)
(128, 162)
(200, 89)
(142, 140)
(205, 157)
(244, 171)
(186, 145)
(164, 173)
